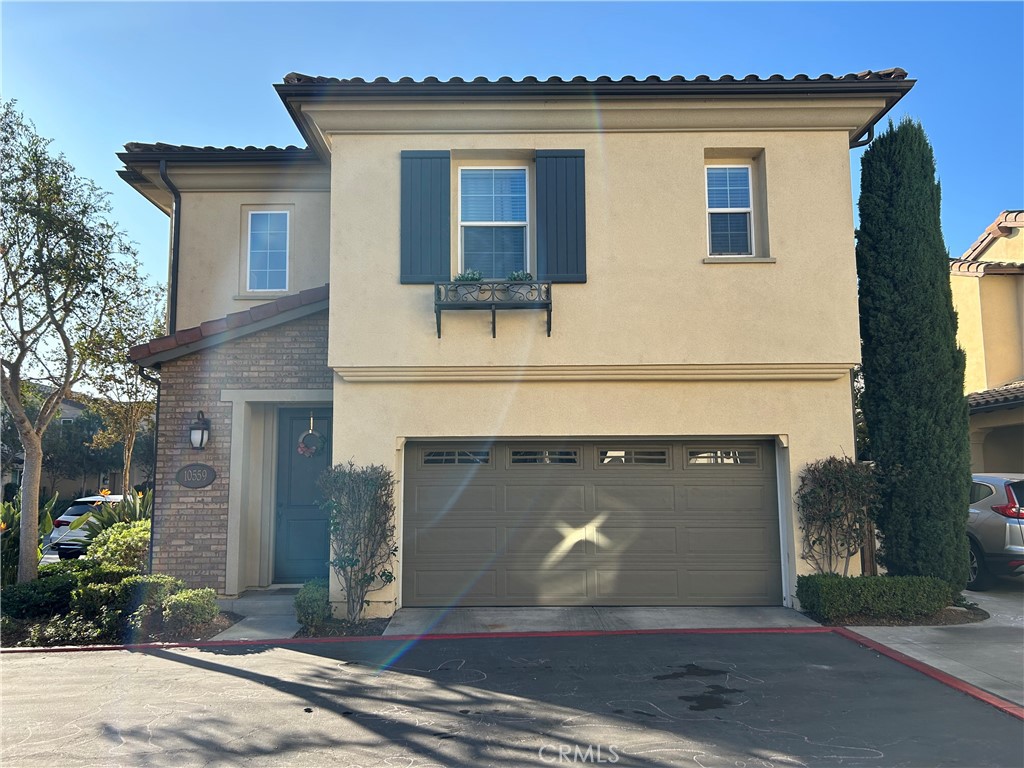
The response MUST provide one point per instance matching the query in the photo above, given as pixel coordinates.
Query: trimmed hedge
(39, 599)
(832, 598)
(190, 609)
(313, 604)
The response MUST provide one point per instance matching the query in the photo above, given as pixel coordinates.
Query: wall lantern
(199, 431)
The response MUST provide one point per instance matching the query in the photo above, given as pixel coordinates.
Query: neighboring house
(632, 434)
(988, 294)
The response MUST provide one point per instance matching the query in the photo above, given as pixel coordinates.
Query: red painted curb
(936, 674)
(409, 638)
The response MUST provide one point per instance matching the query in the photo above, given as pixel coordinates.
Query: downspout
(869, 135)
(172, 310)
(156, 447)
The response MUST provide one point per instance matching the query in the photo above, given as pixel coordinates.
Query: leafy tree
(913, 371)
(127, 399)
(64, 268)
(835, 499)
(361, 502)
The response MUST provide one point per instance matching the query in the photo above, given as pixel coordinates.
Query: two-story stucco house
(625, 426)
(988, 293)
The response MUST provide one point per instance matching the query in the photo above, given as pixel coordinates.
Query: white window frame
(751, 224)
(525, 225)
(248, 251)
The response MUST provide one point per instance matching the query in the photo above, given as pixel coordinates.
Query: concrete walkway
(457, 621)
(989, 654)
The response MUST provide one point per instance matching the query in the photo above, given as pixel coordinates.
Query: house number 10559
(196, 475)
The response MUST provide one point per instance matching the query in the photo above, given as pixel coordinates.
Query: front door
(302, 527)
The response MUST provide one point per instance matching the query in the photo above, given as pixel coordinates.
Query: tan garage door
(604, 523)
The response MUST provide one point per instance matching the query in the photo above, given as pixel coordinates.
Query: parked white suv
(68, 543)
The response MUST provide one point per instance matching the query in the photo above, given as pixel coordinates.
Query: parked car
(70, 543)
(995, 529)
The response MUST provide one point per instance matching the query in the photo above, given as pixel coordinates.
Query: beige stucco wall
(649, 296)
(1006, 249)
(990, 328)
(213, 261)
(814, 418)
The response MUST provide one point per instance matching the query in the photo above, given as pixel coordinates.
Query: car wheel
(978, 577)
(68, 554)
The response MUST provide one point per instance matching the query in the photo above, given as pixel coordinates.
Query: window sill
(259, 295)
(737, 260)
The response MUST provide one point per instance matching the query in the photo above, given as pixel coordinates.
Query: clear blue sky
(93, 76)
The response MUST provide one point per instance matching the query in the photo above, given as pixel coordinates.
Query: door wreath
(311, 442)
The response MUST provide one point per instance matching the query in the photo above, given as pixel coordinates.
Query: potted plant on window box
(469, 284)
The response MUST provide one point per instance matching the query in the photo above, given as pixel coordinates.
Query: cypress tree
(913, 398)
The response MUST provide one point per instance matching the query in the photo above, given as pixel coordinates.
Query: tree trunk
(126, 483)
(28, 549)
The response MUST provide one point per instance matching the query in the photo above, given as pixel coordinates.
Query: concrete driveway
(796, 697)
(989, 654)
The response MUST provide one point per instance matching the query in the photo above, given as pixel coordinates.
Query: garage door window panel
(723, 457)
(612, 457)
(525, 458)
(451, 457)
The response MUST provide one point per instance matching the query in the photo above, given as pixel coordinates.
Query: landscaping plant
(834, 502)
(125, 544)
(313, 604)
(913, 399)
(361, 504)
(10, 535)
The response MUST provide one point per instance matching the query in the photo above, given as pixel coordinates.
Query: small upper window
(492, 221)
(268, 251)
(730, 230)
(722, 456)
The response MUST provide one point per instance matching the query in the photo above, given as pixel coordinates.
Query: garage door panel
(455, 541)
(734, 540)
(456, 498)
(445, 586)
(593, 533)
(612, 540)
(638, 585)
(544, 541)
(551, 584)
(725, 497)
(528, 498)
(622, 498)
(732, 586)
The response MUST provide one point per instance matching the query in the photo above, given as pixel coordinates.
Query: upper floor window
(493, 221)
(730, 230)
(268, 251)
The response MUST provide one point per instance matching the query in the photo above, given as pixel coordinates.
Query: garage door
(604, 523)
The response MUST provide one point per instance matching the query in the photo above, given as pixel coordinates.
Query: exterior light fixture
(199, 432)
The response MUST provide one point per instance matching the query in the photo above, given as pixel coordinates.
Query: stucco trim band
(731, 372)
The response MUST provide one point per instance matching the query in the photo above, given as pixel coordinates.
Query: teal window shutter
(561, 216)
(426, 216)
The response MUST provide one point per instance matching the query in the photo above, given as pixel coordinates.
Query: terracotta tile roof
(1003, 226)
(1007, 396)
(894, 74)
(979, 268)
(136, 151)
(215, 331)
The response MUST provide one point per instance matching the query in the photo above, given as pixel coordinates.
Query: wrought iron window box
(491, 295)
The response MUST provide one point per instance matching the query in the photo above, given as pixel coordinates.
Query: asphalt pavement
(794, 697)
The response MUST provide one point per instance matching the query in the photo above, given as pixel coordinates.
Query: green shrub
(66, 630)
(469, 276)
(125, 598)
(831, 598)
(88, 571)
(131, 509)
(190, 609)
(313, 604)
(10, 535)
(124, 544)
(38, 599)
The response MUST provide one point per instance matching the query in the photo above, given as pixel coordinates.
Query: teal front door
(302, 526)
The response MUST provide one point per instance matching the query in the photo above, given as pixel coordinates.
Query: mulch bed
(946, 617)
(345, 628)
